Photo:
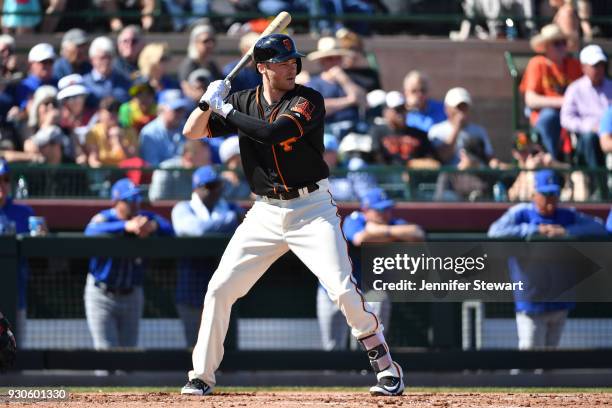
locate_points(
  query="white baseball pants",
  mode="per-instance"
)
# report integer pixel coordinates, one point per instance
(310, 227)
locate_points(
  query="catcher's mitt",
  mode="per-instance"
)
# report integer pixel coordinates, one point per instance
(8, 346)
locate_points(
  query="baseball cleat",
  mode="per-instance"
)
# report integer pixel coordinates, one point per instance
(196, 387)
(389, 383)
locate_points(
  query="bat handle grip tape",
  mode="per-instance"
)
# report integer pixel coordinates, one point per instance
(203, 106)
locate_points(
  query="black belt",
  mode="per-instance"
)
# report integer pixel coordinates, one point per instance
(294, 193)
(113, 291)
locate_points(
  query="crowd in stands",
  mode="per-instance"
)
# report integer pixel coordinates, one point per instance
(102, 103)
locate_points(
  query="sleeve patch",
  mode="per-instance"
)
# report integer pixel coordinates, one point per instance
(303, 107)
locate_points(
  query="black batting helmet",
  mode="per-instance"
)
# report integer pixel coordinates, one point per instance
(276, 48)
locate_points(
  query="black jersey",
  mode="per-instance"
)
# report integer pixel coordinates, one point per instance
(281, 145)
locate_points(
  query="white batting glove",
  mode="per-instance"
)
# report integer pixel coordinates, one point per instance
(219, 107)
(217, 88)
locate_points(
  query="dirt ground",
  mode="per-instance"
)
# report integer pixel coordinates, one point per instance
(286, 399)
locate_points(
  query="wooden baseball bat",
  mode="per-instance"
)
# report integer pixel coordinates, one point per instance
(280, 22)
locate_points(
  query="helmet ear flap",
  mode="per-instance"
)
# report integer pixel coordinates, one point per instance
(299, 65)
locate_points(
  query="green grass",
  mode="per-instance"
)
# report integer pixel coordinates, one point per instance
(435, 390)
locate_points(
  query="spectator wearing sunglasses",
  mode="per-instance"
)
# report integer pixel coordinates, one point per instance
(199, 53)
(544, 82)
(129, 46)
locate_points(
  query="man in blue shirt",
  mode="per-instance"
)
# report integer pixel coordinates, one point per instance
(114, 297)
(540, 324)
(374, 223)
(14, 220)
(206, 212)
(104, 80)
(74, 55)
(422, 112)
(342, 96)
(40, 59)
(162, 138)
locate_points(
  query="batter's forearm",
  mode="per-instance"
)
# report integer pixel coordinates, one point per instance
(196, 126)
(261, 131)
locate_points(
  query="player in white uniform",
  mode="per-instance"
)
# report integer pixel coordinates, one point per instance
(281, 142)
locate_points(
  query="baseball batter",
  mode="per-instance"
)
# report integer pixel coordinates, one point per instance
(280, 125)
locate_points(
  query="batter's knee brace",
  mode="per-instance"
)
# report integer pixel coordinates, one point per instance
(378, 351)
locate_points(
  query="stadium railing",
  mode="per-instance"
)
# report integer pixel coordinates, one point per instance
(401, 183)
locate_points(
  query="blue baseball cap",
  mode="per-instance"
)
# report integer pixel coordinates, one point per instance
(376, 199)
(203, 175)
(330, 142)
(4, 167)
(125, 190)
(546, 182)
(173, 98)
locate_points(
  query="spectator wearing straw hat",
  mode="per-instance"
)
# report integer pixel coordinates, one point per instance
(343, 98)
(544, 82)
(73, 52)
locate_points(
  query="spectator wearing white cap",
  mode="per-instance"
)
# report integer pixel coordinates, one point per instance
(40, 59)
(74, 115)
(584, 104)
(172, 181)
(449, 137)
(163, 137)
(235, 186)
(104, 80)
(44, 112)
(398, 142)
(73, 57)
